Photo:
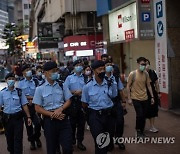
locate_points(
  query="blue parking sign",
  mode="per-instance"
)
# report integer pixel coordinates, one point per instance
(159, 9)
(146, 17)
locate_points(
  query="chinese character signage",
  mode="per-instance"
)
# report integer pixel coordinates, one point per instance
(161, 44)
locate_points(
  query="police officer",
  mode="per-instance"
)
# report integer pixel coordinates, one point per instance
(75, 83)
(97, 95)
(119, 105)
(28, 85)
(51, 100)
(14, 100)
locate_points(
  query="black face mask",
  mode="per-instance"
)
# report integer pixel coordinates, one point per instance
(101, 75)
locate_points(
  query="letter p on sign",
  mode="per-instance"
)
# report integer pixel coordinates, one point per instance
(159, 9)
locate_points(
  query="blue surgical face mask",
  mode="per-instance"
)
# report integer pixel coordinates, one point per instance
(10, 83)
(54, 76)
(142, 68)
(29, 73)
(43, 76)
(78, 69)
(109, 69)
(39, 73)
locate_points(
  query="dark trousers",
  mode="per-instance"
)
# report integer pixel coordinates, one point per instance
(101, 124)
(119, 121)
(78, 125)
(34, 130)
(14, 135)
(58, 132)
(141, 109)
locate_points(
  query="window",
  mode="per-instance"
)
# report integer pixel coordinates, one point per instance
(26, 17)
(26, 6)
(90, 19)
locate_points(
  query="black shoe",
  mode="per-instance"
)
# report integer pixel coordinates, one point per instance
(38, 143)
(121, 146)
(81, 146)
(33, 146)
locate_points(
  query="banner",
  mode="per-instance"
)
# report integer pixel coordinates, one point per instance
(161, 44)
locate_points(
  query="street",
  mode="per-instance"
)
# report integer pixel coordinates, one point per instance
(167, 123)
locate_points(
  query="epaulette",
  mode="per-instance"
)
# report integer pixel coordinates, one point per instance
(42, 83)
(21, 79)
(3, 89)
(89, 81)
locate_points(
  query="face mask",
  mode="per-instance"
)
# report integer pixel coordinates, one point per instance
(54, 76)
(78, 69)
(58, 77)
(142, 68)
(101, 75)
(29, 73)
(39, 73)
(87, 73)
(10, 83)
(43, 76)
(109, 69)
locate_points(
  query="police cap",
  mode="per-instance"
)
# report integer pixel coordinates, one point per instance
(24, 67)
(97, 64)
(49, 65)
(77, 62)
(9, 75)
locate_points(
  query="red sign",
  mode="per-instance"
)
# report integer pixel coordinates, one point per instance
(145, 1)
(119, 21)
(129, 34)
(82, 42)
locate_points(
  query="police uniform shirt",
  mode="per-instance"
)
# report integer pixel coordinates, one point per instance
(27, 86)
(96, 96)
(51, 97)
(11, 101)
(75, 82)
(120, 84)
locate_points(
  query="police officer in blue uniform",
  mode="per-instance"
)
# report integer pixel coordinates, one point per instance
(97, 96)
(119, 104)
(14, 100)
(28, 85)
(75, 83)
(51, 100)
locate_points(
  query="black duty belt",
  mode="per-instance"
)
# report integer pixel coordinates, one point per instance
(107, 111)
(14, 115)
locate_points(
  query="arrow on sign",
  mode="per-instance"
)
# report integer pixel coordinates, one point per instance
(160, 28)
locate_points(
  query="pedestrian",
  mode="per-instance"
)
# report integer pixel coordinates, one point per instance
(138, 80)
(75, 83)
(119, 104)
(39, 73)
(51, 100)
(104, 57)
(152, 110)
(13, 101)
(88, 73)
(28, 85)
(96, 95)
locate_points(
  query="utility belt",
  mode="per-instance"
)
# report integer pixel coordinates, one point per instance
(7, 117)
(107, 111)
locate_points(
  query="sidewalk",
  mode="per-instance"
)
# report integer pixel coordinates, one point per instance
(167, 123)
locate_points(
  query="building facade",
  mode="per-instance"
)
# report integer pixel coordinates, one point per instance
(73, 17)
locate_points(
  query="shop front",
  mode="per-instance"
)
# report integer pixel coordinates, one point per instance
(132, 29)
